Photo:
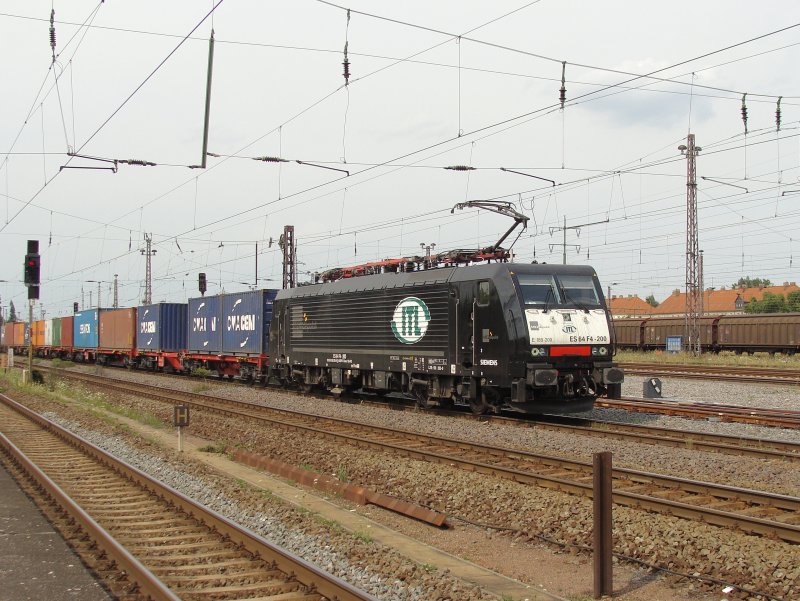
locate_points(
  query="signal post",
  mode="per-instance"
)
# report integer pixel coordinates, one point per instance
(32, 269)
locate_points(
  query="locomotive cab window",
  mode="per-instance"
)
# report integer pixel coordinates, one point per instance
(483, 294)
(538, 290)
(579, 290)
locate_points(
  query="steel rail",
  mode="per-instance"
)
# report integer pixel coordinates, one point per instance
(553, 472)
(725, 413)
(715, 372)
(301, 570)
(138, 574)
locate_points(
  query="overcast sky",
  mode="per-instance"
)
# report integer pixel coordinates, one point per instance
(432, 85)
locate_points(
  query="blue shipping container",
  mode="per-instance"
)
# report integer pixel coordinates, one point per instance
(246, 319)
(204, 325)
(85, 328)
(161, 327)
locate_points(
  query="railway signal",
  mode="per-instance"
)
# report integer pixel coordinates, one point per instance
(201, 283)
(32, 264)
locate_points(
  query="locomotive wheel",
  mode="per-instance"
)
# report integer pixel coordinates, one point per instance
(479, 406)
(488, 402)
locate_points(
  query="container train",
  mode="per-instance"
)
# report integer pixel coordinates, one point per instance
(529, 338)
(747, 333)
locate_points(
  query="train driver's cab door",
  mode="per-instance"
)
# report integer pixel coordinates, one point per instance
(487, 331)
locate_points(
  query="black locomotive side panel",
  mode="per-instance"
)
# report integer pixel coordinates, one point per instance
(394, 329)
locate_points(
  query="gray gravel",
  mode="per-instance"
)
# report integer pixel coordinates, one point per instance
(752, 561)
(317, 550)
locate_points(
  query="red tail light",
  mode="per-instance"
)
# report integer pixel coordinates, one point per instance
(561, 351)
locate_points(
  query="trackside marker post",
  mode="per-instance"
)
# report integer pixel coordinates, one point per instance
(602, 537)
(181, 420)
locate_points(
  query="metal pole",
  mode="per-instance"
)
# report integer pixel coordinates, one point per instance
(564, 258)
(98, 293)
(208, 99)
(116, 292)
(692, 325)
(256, 281)
(602, 538)
(30, 339)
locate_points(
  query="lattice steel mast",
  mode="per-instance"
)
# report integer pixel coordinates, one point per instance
(148, 277)
(693, 292)
(287, 244)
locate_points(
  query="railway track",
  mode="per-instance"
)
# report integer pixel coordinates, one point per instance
(715, 411)
(751, 511)
(760, 375)
(169, 546)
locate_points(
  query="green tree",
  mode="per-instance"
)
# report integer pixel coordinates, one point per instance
(651, 300)
(793, 301)
(771, 303)
(748, 282)
(12, 312)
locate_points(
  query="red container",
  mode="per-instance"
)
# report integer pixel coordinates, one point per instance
(8, 335)
(117, 329)
(67, 335)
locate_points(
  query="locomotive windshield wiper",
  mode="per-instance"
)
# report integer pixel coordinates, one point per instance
(580, 306)
(547, 296)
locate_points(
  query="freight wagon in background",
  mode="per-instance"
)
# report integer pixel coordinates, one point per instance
(748, 333)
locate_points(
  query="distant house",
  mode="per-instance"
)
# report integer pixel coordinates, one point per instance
(629, 306)
(721, 302)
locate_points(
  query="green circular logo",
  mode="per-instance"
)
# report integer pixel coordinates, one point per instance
(410, 320)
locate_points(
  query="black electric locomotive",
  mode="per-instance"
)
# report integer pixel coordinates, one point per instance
(531, 338)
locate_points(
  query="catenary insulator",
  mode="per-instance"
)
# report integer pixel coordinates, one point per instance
(460, 168)
(744, 112)
(563, 91)
(346, 65)
(778, 114)
(53, 31)
(271, 159)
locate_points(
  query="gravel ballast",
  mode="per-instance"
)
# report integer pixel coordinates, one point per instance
(746, 561)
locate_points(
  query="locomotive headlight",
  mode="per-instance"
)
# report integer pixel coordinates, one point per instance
(599, 350)
(535, 352)
(539, 352)
(603, 350)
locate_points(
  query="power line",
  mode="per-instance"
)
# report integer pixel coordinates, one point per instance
(119, 108)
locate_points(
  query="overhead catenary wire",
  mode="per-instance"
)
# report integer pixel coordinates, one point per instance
(114, 113)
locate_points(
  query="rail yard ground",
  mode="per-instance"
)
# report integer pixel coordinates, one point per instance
(135, 427)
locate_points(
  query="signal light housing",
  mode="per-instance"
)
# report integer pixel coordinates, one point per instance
(32, 269)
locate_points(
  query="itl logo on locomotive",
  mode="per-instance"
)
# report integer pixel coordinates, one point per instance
(410, 320)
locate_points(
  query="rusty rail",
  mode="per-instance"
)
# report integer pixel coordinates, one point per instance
(324, 584)
(630, 488)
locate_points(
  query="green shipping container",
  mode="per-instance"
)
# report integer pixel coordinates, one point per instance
(57, 332)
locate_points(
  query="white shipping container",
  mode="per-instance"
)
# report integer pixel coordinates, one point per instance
(48, 332)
